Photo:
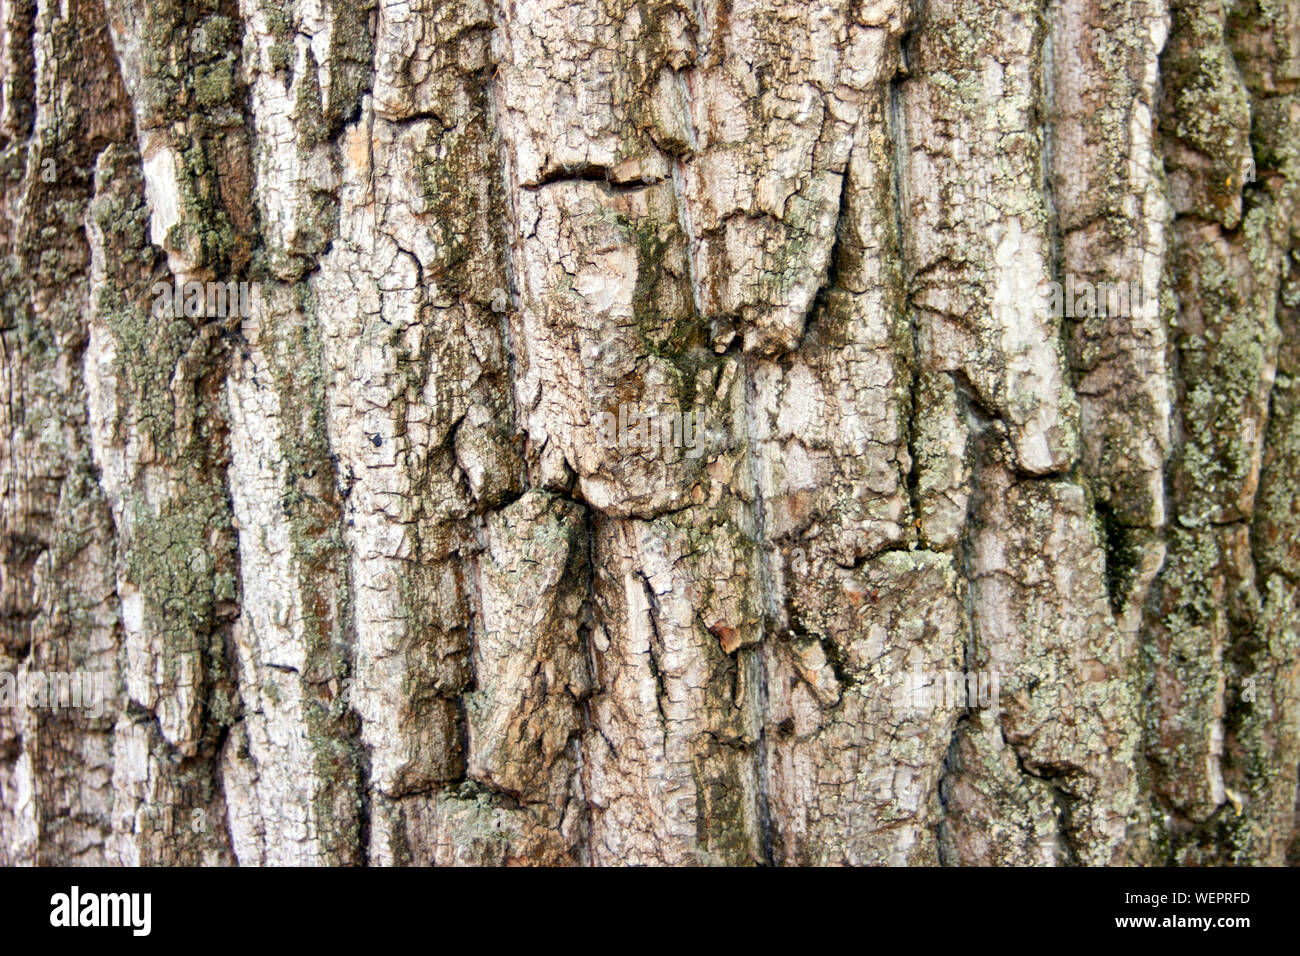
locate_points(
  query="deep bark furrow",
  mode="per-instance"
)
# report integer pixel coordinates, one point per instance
(630, 406)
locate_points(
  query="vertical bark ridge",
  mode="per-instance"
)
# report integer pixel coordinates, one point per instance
(57, 598)
(389, 568)
(1219, 629)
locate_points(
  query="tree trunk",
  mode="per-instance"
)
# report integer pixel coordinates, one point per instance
(383, 564)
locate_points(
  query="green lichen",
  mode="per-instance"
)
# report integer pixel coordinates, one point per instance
(665, 313)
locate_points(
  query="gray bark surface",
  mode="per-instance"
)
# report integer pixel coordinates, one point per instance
(366, 582)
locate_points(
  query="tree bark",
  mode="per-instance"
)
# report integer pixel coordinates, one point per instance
(366, 577)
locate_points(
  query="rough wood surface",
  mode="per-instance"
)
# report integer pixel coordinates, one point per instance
(382, 569)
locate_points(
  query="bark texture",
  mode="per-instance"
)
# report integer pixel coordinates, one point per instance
(370, 587)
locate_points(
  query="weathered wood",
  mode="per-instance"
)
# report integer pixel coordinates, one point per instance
(644, 420)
